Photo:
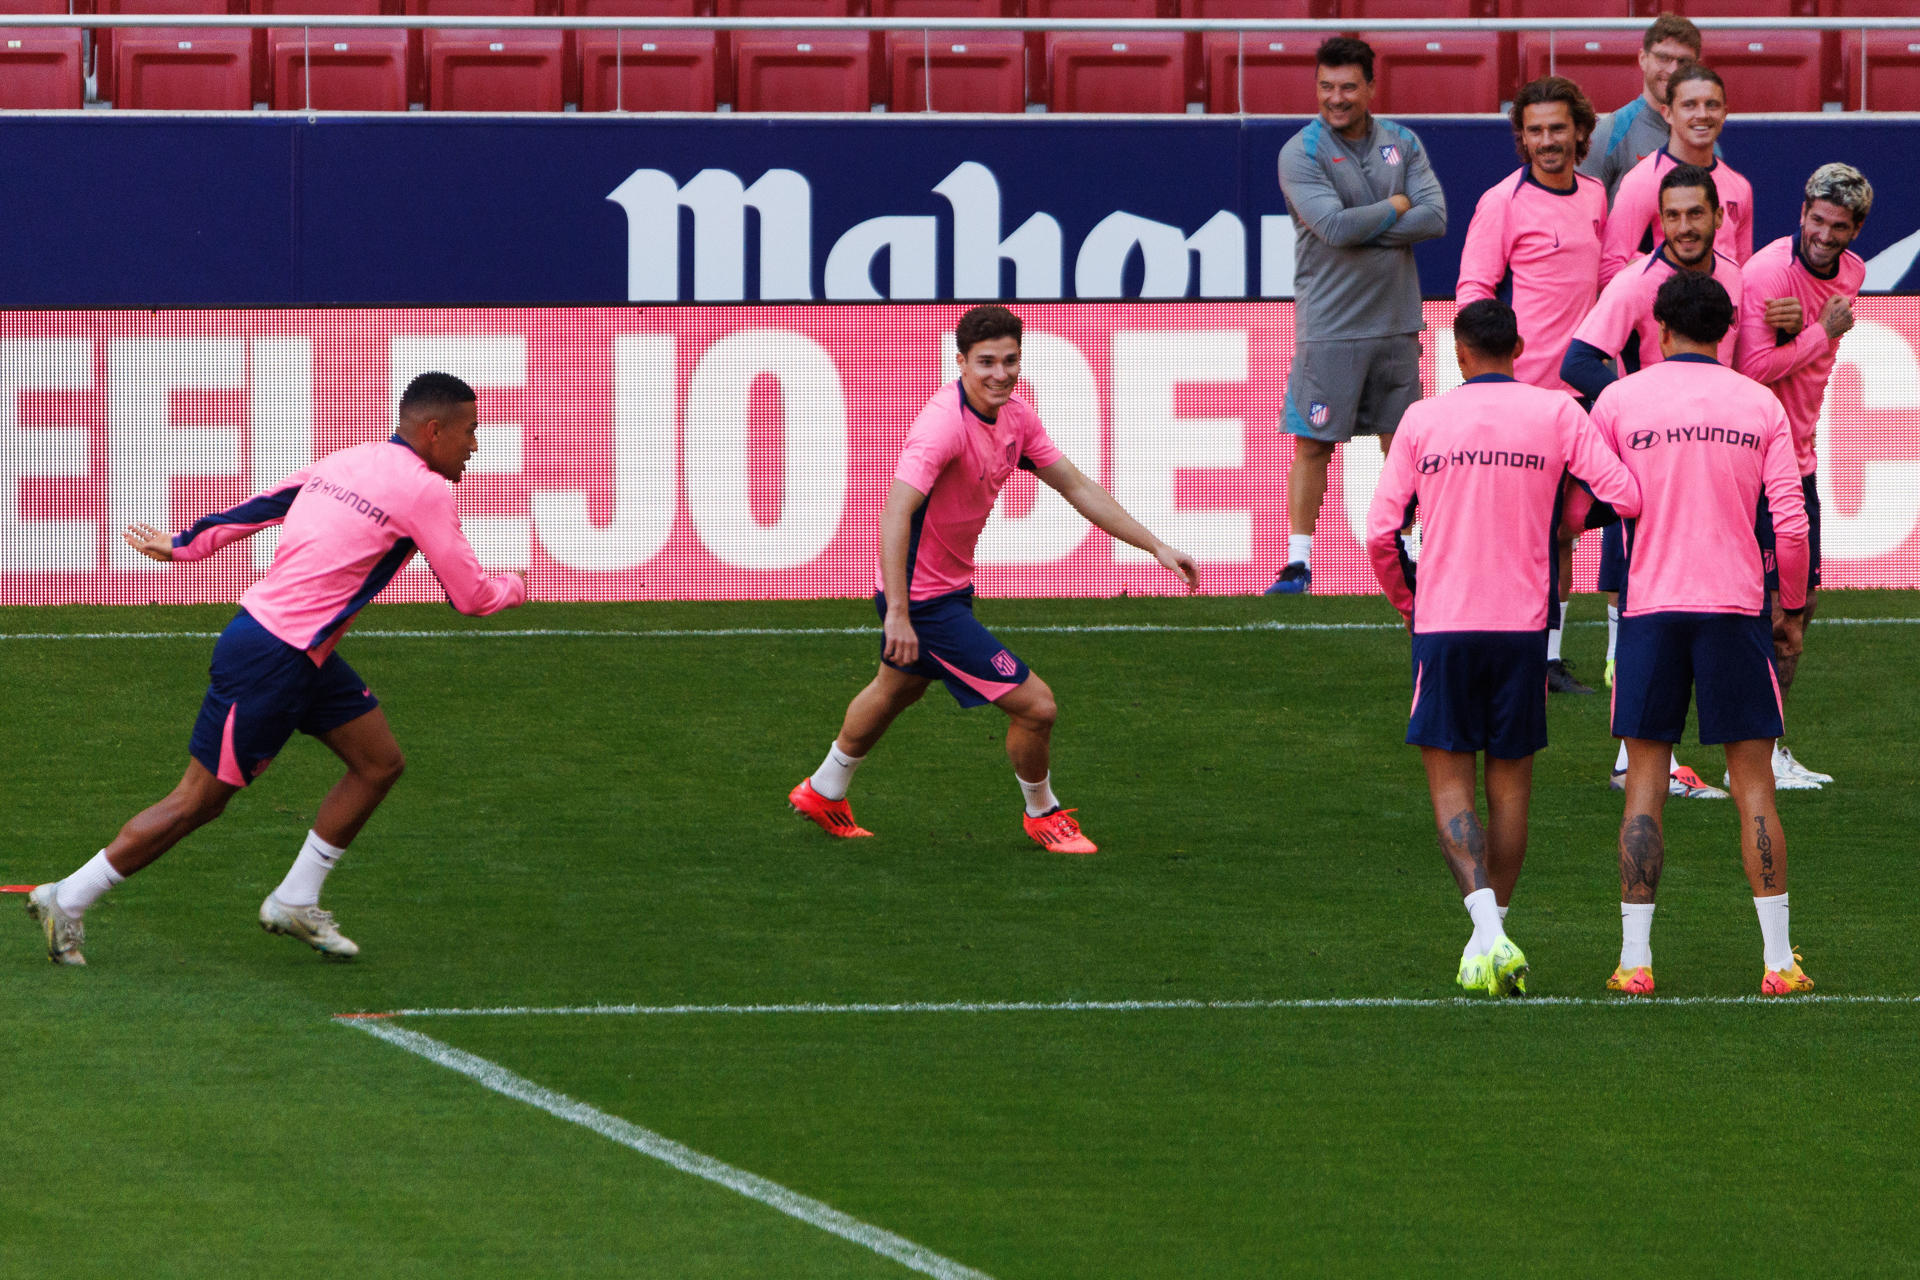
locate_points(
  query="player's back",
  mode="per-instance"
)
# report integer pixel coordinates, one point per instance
(347, 532)
(1485, 462)
(1704, 442)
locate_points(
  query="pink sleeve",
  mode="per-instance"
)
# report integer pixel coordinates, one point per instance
(1592, 461)
(1387, 514)
(1628, 220)
(930, 446)
(1483, 259)
(1036, 446)
(1609, 326)
(1785, 499)
(435, 529)
(1743, 233)
(210, 533)
(1759, 354)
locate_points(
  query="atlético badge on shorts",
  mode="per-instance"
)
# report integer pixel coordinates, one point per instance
(1004, 663)
(1390, 153)
(1317, 413)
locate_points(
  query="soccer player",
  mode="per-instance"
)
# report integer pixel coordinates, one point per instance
(1484, 464)
(1625, 137)
(959, 452)
(1704, 443)
(1697, 110)
(1799, 300)
(350, 522)
(1362, 193)
(1603, 347)
(1535, 236)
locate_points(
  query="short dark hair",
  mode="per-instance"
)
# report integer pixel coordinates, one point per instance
(1345, 51)
(1689, 175)
(1488, 327)
(1554, 89)
(1694, 305)
(1694, 71)
(984, 323)
(1671, 26)
(435, 391)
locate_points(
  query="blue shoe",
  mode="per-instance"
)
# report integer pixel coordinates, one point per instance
(1293, 581)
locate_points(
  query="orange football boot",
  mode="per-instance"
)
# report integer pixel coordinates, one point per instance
(1057, 832)
(835, 817)
(1634, 982)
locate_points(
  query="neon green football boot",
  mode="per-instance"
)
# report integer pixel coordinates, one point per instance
(1476, 973)
(1509, 965)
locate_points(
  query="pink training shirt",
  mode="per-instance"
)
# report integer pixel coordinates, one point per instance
(1636, 213)
(960, 460)
(350, 522)
(1626, 307)
(1484, 463)
(1797, 369)
(1704, 442)
(1545, 243)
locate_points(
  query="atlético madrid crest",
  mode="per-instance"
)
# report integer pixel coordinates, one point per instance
(1390, 153)
(1003, 663)
(1318, 413)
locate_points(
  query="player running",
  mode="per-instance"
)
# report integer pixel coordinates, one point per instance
(1604, 347)
(1484, 464)
(350, 522)
(1697, 110)
(1704, 443)
(1800, 292)
(1535, 236)
(959, 453)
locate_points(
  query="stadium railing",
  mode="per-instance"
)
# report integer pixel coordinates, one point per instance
(1781, 63)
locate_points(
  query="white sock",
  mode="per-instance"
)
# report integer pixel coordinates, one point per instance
(1299, 548)
(835, 773)
(1553, 641)
(1620, 760)
(1486, 922)
(83, 888)
(1613, 629)
(1503, 915)
(1636, 935)
(1773, 932)
(308, 873)
(1040, 798)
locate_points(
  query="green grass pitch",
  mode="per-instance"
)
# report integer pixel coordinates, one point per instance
(600, 820)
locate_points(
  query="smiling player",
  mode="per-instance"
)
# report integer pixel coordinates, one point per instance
(349, 523)
(960, 451)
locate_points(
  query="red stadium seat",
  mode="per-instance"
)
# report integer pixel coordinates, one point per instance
(1228, 10)
(624, 9)
(416, 65)
(42, 68)
(648, 70)
(263, 62)
(1868, 9)
(957, 71)
(1605, 64)
(882, 59)
(493, 69)
(1449, 10)
(36, 6)
(1767, 70)
(105, 64)
(1440, 71)
(340, 69)
(184, 69)
(802, 71)
(1086, 9)
(1892, 74)
(1566, 9)
(1117, 71)
(1738, 8)
(1267, 73)
(785, 8)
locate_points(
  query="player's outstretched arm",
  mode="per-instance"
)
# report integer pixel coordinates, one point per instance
(1105, 513)
(154, 544)
(901, 644)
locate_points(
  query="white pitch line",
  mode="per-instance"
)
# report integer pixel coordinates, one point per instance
(713, 633)
(1123, 1006)
(808, 1210)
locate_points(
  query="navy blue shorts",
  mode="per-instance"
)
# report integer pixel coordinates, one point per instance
(1613, 558)
(954, 647)
(261, 690)
(1480, 691)
(1763, 530)
(1723, 660)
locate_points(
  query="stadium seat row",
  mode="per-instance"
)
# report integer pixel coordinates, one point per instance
(1440, 10)
(370, 69)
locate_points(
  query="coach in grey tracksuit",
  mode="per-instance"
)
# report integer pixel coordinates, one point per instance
(1362, 193)
(1625, 137)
